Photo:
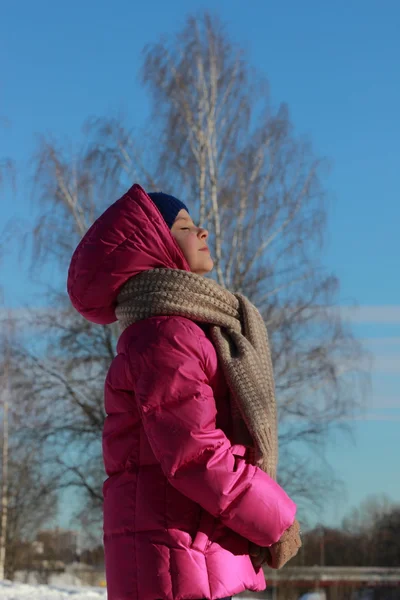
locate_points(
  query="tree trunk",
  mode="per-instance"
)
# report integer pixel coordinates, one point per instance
(4, 487)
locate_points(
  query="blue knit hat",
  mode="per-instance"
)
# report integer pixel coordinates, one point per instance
(169, 206)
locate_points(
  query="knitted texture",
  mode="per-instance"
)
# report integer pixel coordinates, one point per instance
(239, 336)
(287, 547)
(169, 206)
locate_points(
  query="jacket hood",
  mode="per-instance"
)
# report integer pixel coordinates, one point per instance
(130, 237)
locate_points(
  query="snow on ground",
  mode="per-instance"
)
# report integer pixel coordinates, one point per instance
(11, 590)
(20, 591)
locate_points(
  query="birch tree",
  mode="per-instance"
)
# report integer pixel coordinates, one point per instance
(259, 189)
(216, 141)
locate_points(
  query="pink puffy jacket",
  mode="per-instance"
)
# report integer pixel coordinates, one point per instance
(180, 502)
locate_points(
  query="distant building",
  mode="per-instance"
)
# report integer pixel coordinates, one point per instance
(58, 541)
(38, 547)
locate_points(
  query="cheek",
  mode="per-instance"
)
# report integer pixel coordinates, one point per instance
(188, 245)
(191, 245)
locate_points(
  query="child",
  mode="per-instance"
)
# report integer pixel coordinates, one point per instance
(189, 441)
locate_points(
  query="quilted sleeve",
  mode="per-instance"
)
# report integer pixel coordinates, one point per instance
(178, 411)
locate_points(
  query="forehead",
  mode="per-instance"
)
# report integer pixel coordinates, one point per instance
(183, 215)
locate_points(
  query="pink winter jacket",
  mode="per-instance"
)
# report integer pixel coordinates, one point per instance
(180, 502)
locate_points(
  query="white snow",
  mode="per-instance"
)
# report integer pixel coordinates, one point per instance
(11, 590)
(20, 591)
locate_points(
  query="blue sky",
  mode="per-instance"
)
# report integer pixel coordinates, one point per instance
(335, 64)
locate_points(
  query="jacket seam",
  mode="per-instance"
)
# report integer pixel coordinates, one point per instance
(136, 511)
(194, 457)
(200, 345)
(224, 512)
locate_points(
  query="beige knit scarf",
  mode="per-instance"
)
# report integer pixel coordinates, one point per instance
(238, 333)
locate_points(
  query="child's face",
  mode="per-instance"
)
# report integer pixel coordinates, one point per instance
(192, 241)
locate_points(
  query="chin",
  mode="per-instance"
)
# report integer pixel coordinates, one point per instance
(205, 268)
(208, 267)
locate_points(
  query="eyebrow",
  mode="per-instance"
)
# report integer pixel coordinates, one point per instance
(183, 219)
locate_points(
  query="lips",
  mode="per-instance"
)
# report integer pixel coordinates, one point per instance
(205, 249)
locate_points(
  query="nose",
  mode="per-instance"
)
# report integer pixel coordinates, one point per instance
(203, 233)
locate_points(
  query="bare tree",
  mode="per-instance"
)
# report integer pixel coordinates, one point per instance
(60, 386)
(32, 504)
(7, 171)
(369, 536)
(220, 145)
(7, 177)
(372, 510)
(5, 399)
(7, 166)
(259, 190)
(60, 359)
(29, 492)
